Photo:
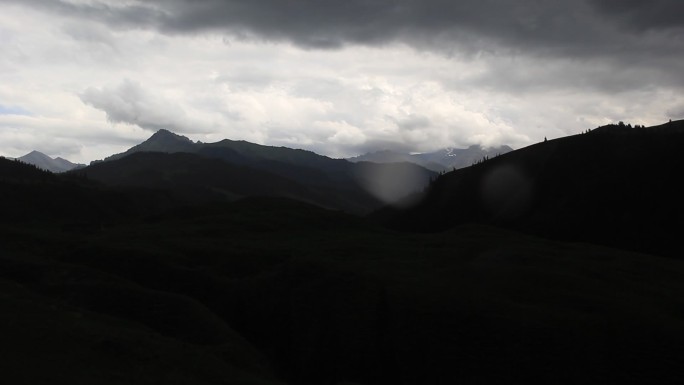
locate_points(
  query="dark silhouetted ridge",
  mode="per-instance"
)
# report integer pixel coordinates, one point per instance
(31, 195)
(161, 141)
(15, 170)
(330, 183)
(615, 185)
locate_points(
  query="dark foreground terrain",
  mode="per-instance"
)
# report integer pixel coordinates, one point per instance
(132, 285)
(274, 291)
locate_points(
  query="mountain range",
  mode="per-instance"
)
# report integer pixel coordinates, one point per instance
(223, 263)
(234, 169)
(45, 162)
(447, 159)
(165, 141)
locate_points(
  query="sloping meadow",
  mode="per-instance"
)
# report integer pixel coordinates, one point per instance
(268, 290)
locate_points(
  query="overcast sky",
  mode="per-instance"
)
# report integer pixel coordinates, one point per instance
(83, 79)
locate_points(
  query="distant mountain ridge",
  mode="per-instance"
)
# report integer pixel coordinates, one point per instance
(445, 159)
(45, 162)
(248, 168)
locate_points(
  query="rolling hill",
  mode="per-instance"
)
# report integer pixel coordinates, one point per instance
(273, 291)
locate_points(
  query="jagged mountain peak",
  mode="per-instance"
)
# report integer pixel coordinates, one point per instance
(35, 155)
(164, 133)
(161, 141)
(45, 162)
(166, 137)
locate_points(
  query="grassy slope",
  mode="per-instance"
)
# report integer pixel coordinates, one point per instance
(273, 286)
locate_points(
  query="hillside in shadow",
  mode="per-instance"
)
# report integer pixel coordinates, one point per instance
(142, 270)
(31, 195)
(615, 185)
(271, 290)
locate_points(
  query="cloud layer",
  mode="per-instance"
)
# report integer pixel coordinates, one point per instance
(335, 77)
(577, 27)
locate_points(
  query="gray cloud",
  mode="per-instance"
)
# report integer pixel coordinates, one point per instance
(560, 27)
(127, 15)
(676, 112)
(629, 34)
(342, 77)
(130, 103)
(643, 15)
(440, 23)
(414, 122)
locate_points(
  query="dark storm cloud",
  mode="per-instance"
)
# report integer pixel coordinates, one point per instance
(637, 40)
(561, 28)
(643, 15)
(440, 24)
